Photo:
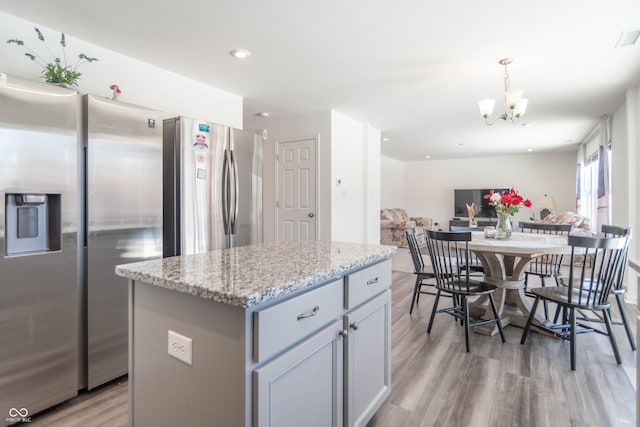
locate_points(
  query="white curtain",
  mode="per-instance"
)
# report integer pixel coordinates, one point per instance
(579, 168)
(603, 187)
(592, 180)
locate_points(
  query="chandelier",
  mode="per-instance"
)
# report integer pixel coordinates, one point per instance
(514, 104)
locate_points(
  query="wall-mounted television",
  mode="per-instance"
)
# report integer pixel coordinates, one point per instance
(483, 209)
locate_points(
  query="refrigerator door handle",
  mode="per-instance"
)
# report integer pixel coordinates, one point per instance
(226, 206)
(236, 190)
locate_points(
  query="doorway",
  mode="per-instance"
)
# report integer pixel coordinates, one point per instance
(296, 205)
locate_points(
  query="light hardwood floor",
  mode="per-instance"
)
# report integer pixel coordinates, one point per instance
(436, 383)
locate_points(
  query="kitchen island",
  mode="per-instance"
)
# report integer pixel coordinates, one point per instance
(275, 334)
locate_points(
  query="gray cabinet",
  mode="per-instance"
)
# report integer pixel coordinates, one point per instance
(304, 386)
(368, 364)
(320, 357)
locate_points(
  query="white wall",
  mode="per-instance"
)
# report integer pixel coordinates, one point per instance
(628, 160)
(429, 184)
(294, 127)
(348, 157)
(141, 83)
(392, 185)
(619, 167)
(372, 185)
(625, 141)
(347, 150)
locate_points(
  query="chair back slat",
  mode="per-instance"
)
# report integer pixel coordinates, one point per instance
(615, 231)
(547, 265)
(449, 251)
(473, 262)
(414, 249)
(543, 228)
(595, 265)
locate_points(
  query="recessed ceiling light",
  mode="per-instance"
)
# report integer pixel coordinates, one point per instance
(385, 139)
(240, 53)
(263, 114)
(628, 38)
(427, 157)
(529, 149)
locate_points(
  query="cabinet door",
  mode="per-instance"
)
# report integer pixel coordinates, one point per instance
(304, 386)
(368, 367)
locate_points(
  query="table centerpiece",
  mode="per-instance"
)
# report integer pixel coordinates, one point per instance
(506, 204)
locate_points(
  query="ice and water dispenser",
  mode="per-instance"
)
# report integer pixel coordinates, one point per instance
(33, 223)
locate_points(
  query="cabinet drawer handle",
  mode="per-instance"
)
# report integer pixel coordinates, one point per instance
(373, 281)
(313, 312)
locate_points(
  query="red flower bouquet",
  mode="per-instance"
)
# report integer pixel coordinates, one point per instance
(507, 202)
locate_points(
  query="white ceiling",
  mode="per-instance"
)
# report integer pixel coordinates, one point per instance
(414, 69)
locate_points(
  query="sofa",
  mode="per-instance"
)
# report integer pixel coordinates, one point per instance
(581, 227)
(581, 224)
(394, 221)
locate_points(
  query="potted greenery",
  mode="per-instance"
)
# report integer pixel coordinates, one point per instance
(58, 70)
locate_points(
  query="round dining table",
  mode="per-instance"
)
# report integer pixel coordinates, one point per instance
(505, 263)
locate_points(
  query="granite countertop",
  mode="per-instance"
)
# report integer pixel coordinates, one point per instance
(251, 275)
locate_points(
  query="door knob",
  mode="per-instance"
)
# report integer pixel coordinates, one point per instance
(311, 215)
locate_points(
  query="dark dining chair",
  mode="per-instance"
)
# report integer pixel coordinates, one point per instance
(448, 252)
(619, 289)
(588, 287)
(545, 266)
(475, 266)
(416, 242)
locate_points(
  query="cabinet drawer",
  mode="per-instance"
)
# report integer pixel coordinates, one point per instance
(366, 283)
(282, 325)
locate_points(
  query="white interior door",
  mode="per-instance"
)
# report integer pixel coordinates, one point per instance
(296, 198)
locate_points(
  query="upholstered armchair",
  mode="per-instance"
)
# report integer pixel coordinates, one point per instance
(394, 221)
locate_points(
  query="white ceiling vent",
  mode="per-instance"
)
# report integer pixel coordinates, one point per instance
(628, 38)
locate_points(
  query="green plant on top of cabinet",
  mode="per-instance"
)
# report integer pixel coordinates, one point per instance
(56, 70)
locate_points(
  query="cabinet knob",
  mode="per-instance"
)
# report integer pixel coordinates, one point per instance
(343, 333)
(311, 215)
(355, 326)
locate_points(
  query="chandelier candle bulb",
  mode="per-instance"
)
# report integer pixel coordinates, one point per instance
(513, 97)
(521, 108)
(486, 107)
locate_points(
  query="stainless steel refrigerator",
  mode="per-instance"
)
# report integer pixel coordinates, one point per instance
(212, 187)
(39, 261)
(123, 214)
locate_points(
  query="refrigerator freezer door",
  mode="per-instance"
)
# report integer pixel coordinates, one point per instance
(193, 162)
(39, 290)
(247, 211)
(124, 221)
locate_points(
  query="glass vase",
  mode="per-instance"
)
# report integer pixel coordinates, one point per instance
(503, 227)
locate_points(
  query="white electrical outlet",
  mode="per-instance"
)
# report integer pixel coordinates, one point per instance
(180, 347)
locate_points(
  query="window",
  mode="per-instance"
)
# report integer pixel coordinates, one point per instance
(589, 193)
(590, 206)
